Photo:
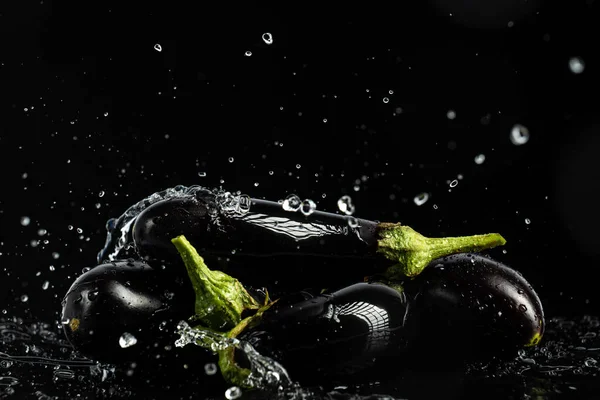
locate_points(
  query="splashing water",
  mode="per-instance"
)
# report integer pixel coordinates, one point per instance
(266, 373)
(119, 241)
(36, 361)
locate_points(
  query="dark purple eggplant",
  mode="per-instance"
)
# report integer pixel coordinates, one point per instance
(254, 238)
(471, 306)
(125, 311)
(328, 336)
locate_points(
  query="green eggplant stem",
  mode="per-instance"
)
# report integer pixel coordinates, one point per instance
(413, 252)
(220, 298)
(220, 301)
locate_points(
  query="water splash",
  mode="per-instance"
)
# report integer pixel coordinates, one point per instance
(119, 241)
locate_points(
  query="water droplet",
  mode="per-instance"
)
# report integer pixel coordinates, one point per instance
(65, 321)
(233, 392)
(527, 221)
(70, 227)
(576, 65)
(298, 166)
(386, 100)
(479, 159)
(453, 183)
(55, 255)
(101, 193)
(291, 203)
(230, 159)
(345, 205)
(24, 298)
(6, 363)
(210, 369)
(352, 222)
(158, 47)
(45, 285)
(451, 114)
(127, 340)
(248, 53)
(421, 199)
(522, 307)
(590, 362)
(201, 174)
(93, 295)
(267, 37)
(61, 373)
(272, 377)
(308, 207)
(25, 221)
(519, 135)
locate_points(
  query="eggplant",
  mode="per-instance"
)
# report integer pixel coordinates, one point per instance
(125, 311)
(332, 336)
(255, 237)
(472, 307)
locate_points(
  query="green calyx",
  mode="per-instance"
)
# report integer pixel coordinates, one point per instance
(220, 298)
(413, 251)
(220, 302)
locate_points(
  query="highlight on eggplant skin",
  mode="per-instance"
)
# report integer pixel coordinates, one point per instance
(473, 305)
(257, 246)
(124, 311)
(345, 333)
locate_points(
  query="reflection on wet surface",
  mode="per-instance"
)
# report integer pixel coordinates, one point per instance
(36, 362)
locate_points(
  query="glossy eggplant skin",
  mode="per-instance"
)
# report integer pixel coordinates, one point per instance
(262, 228)
(253, 245)
(472, 307)
(335, 335)
(121, 297)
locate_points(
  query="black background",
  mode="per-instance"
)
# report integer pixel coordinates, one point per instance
(89, 106)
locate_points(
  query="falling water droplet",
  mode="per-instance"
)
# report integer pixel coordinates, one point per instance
(233, 393)
(25, 221)
(519, 135)
(127, 340)
(576, 65)
(421, 199)
(345, 205)
(210, 369)
(158, 47)
(267, 37)
(479, 159)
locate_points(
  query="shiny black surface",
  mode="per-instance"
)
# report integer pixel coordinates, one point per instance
(111, 303)
(264, 246)
(340, 335)
(474, 307)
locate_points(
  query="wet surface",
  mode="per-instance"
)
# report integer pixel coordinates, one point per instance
(37, 362)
